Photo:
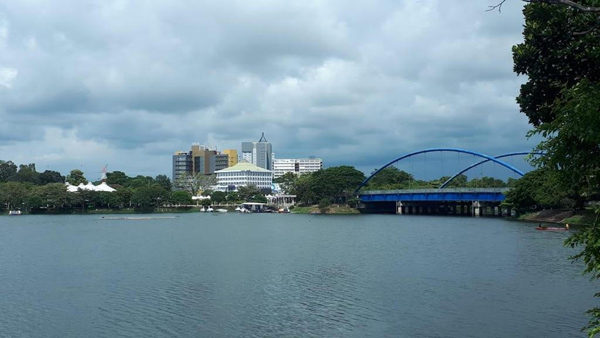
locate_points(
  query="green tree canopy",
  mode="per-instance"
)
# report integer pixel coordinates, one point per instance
(560, 56)
(116, 177)
(164, 182)
(27, 173)
(76, 177)
(51, 176)
(8, 170)
(217, 197)
(389, 178)
(181, 197)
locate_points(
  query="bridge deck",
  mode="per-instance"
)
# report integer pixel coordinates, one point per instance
(437, 195)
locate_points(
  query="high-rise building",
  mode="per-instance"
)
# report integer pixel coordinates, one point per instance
(297, 166)
(233, 156)
(182, 163)
(200, 159)
(259, 153)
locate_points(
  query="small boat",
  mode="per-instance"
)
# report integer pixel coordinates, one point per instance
(221, 210)
(14, 212)
(551, 229)
(210, 209)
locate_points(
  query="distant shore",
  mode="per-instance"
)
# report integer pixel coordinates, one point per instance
(585, 217)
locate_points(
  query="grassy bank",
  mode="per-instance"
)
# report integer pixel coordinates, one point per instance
(584, 217)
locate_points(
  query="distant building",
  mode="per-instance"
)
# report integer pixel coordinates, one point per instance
(259, 153)
(200, 159)
(182, 164)
(243, 174)
(297, 166)
(233, 156)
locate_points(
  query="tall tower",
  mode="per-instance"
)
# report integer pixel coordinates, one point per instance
(259, 153)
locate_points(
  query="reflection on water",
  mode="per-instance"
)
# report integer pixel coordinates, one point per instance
(228, 275)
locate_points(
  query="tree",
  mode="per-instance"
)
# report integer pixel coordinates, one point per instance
(51, 176)
(540, 189)
(164, 182)
(8, 170)
(13, 194)
(27, 173)
(181, 197)
(248, 193)
(76, 177)
(286, 181)
(116, 177)
(195, 182)
(142, 198)
(337, 183)
(217, 197)
(139, 181)
(567, 3)
(324, 205)
(389, 178)
(559, 55)
(233, 197)
(54, 195)
(124, 197)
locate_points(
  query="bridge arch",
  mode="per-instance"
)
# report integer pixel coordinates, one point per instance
(456, 150)
(485, 161)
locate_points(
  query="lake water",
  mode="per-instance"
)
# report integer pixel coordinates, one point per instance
(265, 275)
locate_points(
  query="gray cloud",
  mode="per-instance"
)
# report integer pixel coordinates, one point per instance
(128, 83)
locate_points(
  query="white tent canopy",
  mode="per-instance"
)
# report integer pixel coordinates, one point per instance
(100, 187)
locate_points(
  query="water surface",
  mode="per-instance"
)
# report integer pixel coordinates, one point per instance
(257, 275)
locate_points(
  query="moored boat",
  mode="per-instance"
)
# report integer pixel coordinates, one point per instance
(551, 229)
(14, 212)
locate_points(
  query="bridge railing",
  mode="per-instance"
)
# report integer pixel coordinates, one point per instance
(448, 190)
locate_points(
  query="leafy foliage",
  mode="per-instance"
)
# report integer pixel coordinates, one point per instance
(76, 177)
(390, 178)
(336, 184)
(561, 98)
(181, 197)
(8, 170)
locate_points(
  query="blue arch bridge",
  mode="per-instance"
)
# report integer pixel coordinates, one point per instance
(441, 201)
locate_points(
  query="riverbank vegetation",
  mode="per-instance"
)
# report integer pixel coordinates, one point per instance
(561, 98)
(333, 185)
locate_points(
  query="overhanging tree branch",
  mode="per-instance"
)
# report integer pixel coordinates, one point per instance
(568, 3)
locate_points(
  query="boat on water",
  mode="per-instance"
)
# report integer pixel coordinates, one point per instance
(210, 209)
(551, 229)
(242, 210)
(14, 212)
(221, 210)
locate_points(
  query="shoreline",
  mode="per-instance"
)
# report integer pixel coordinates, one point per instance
(584, 217)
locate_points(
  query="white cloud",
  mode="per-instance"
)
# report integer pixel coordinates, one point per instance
(7, 76)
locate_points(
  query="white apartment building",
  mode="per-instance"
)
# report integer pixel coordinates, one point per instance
(297, 166)
(243, 174)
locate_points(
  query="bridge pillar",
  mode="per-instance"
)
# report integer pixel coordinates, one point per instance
(476, 208)
(399, 206)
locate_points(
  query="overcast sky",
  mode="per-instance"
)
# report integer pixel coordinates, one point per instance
(86, 83)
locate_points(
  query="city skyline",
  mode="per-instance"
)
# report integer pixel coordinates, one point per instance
(355, 85)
